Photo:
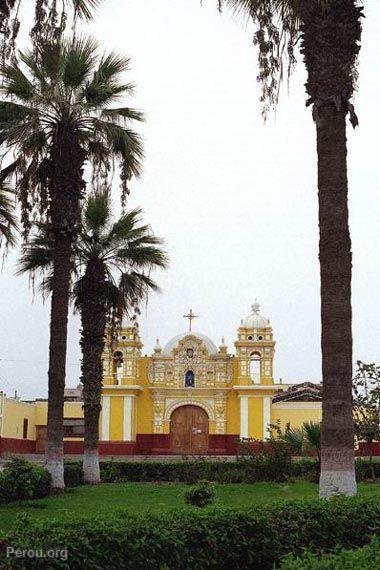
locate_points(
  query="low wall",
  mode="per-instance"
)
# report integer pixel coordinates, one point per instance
(365, 449)
(13, 445)
(153, 444)
(145, 444)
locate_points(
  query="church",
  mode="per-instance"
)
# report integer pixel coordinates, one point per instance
(190, 397)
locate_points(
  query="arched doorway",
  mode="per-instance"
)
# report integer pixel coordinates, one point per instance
(189, 430)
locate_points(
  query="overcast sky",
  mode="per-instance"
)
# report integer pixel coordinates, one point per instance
(236, 200)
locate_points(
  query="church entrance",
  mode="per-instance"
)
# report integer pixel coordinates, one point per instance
(189, 431)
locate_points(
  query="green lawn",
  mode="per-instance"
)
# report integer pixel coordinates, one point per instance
(138, 497)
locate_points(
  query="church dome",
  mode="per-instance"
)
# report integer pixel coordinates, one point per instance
(171, 345)
(254, 320)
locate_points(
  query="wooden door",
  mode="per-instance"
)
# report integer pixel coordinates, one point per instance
(189, 431)
(40, 438)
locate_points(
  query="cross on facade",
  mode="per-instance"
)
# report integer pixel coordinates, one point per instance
(190, 316)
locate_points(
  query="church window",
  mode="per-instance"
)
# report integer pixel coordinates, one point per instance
(190, 353)
(255, 366)
(251, 338)
(189, 379)
(260, 338)
(124, 337)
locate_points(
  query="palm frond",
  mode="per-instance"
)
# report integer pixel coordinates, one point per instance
(313, 433)
(79, 59)
(8, 220)
(97, 211)
(122, 115)
(15, 82)
(110, 65)
(37, 254)
(122, 228)
(143, 257)
(85, 8)
(134, 287)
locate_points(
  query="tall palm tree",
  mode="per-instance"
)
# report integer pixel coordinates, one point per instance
(111, 268)
(56, 117)
(329, 33)
(8, 223)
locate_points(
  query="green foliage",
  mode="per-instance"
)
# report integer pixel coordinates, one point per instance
(366, 558)
(270, 460)
(67, 83)
(366, 403)
(126, 249)
(8, 223)
(21, 480)
(200, 495)
(212, 538)
(240, 471)
(73, 474)
(261, 467)
(300, 441)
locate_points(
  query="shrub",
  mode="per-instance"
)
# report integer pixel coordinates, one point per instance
(262, 467)
(73, 474)
(21, 480)
(201, 494)
(214, 538)
(366, 470)
(366, 558)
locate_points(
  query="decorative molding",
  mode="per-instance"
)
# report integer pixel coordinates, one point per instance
(189, 402)
(261, 387)
(122, 387)
(299, 405)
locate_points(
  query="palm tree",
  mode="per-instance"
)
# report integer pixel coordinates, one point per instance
(111, 266)
(55, 118)
(329, 33)
(8, 223)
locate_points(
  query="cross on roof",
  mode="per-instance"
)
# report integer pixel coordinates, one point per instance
(190, 316)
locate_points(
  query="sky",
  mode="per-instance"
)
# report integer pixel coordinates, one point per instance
(234, 198)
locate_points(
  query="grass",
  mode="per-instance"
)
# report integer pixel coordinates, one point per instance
(89, 501)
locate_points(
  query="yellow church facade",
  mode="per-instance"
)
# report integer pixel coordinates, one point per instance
(189, 397)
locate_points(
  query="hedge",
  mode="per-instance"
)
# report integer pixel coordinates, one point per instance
(213, 538)
(366, 558)
(193, 471)
(21, 480)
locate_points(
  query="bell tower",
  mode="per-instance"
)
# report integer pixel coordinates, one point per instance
(122, 354)
(255, 349)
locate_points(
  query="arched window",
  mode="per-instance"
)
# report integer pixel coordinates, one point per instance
(189, 379)
(255, 367)
(118, 365)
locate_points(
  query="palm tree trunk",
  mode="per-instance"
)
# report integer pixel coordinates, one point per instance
(57, 360)
(65, 188)
(337, 454)
(94, 318)
(330, 43)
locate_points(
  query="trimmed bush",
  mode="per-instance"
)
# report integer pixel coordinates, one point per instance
(366, 558)
(365, 471)
(198, 539)
(201, 494)
(21, 480)
(262, 467)
(256, 468)
(73, 474)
